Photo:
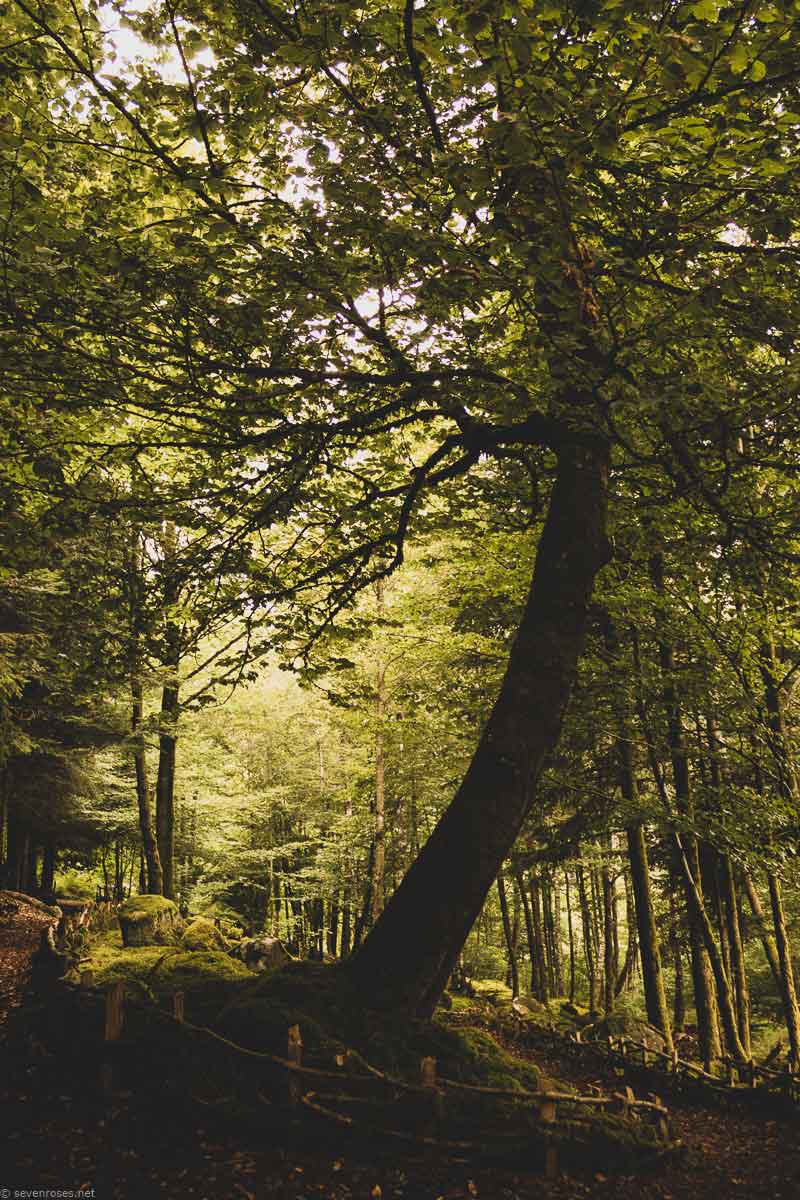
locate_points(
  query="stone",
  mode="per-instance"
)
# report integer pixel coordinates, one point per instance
(148, 921)
(202, 934)
(623, 1025)
(263, 954)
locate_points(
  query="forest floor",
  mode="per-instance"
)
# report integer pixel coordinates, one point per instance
(58, 1135)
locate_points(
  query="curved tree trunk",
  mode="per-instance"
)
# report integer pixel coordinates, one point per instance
(408, 956)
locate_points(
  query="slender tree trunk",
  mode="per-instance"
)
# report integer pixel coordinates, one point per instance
(789, 790)
(788, 992)
(379, 858)
(526, 912)
(767, 940)
(411, 951)
(571, 936)
(652, 975)
(609, 966)
(48, 867)
(508, 935)
(724, 992)
(542, 973)
(155, 880)
(167, 739)
(679, 1002)
(588, 938)
(705, 1004)
(738, 968)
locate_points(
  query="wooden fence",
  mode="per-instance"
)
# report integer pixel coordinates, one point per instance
(734, 1075)
(356, 1082)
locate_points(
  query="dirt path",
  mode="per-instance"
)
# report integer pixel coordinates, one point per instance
(21, 928)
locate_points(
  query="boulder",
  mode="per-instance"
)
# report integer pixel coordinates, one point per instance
(262, 954)
(148, 921)
(202, 934)
(623, 1025)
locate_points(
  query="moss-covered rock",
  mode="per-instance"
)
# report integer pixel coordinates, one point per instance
(148, 920)
(208, 978)
(625, 1025)
(202, 934)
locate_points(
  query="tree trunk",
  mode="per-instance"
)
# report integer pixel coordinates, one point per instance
(526, 911)
(788, 992)
(610, 968)
(409, 954)
(652, 975)
(724, 992)
(155, 879)
(171, 657)
(542, 974)
(508, 936)
(738, 968)
(48, 868)
(790, 792)
(379, 859)
(588, 938)
(679, 1001)
(571, 936)
(705, 1004)
(767, 940)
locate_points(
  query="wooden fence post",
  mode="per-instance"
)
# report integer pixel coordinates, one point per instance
(427, 1075)
(294, 1054)
(87, 979)
(179, 1007)
(115, 1011)
(548, 1115)
(115, 1017)
(662, 1124)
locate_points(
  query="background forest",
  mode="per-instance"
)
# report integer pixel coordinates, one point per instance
(320, 326)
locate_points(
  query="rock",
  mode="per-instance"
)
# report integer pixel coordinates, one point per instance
(622, 1025)
(262, 954)
(148, 921)
(202, 934)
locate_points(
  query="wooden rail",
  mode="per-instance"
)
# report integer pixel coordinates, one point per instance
(737, 1074)
(304, 1086)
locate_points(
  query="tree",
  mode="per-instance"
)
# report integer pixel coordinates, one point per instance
(476, 267)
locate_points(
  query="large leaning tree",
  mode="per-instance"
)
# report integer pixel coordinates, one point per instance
(353, 254)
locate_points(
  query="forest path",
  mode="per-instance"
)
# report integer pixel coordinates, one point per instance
(20, 933)
(729, 1152)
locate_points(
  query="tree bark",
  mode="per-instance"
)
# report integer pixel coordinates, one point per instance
(724, 993)
(588, 938)
(655, 996)
(571, 936)
(738, 968)
(410, 952)
(767, 940)
(155, 879)
(167, 739)
(508, 935)
(705, 1004)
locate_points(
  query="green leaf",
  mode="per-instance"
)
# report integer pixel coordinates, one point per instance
(758, 71)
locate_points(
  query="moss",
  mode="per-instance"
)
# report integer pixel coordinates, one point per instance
(207, 977)
(147, 906)
(202, 934)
